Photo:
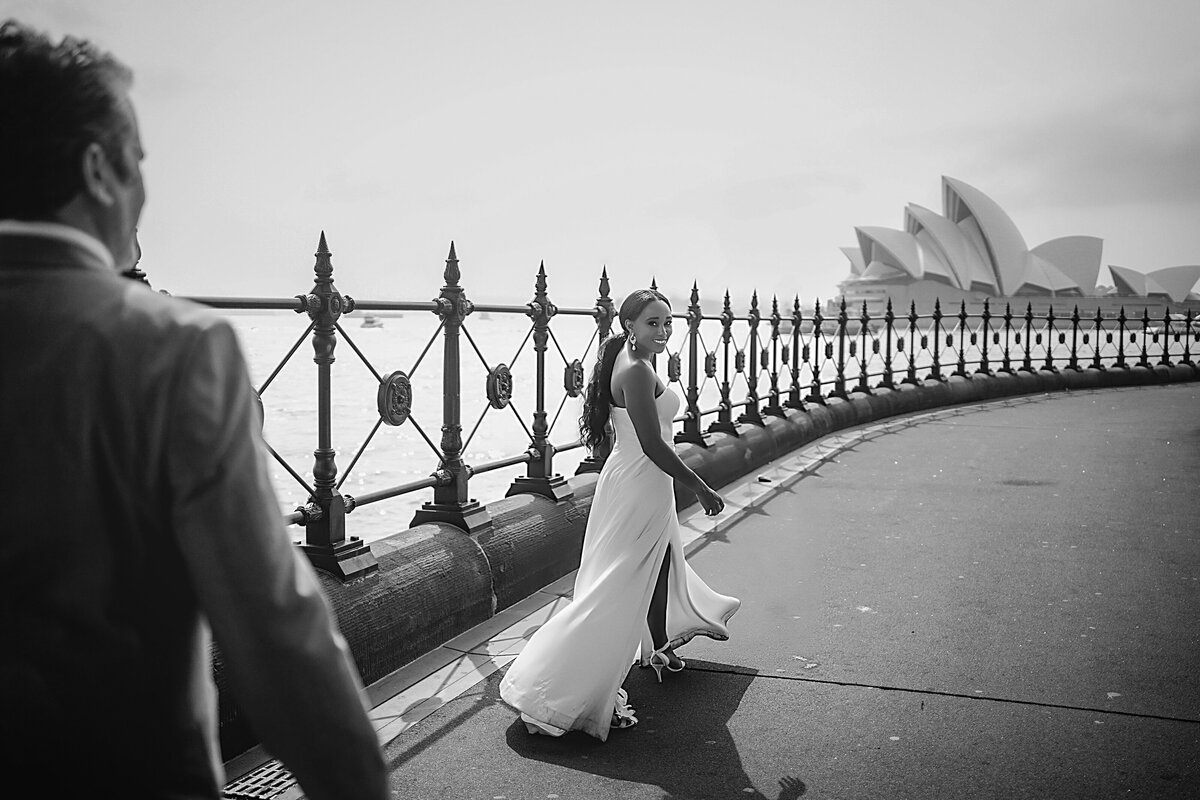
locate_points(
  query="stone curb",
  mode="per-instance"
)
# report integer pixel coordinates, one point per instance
(436, 582)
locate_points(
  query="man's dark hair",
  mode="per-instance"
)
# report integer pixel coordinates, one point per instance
(56, 99)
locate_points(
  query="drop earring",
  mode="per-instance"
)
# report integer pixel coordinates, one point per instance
(632, 343)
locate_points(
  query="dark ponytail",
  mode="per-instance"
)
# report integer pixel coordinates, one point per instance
(598, 399)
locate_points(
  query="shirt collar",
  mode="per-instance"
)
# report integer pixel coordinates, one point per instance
(64, 233)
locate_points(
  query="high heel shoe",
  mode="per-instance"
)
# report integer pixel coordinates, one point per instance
(658, 665)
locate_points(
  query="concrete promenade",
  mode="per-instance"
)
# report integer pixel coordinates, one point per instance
(994, 600)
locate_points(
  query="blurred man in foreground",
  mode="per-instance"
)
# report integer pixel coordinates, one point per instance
(140, 516)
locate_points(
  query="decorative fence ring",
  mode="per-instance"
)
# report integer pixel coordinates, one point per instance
(674, 367)
(710, 364)
(739, 361)
(784, 354)
(573, 378)
(764, 358)
(395, 398)
(499, 387)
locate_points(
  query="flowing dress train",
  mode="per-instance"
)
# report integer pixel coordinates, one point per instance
(568, 675)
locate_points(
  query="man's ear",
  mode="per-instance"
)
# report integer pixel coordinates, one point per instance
(97, 174)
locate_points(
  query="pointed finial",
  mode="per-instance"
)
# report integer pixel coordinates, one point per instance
(695, 298)
(653, 284)
(324, 264)
(452, 274)
(540, 283)
(604, 287)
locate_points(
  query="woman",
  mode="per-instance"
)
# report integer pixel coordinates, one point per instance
(635, 595)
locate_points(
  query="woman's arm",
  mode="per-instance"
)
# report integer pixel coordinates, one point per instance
(639, 384)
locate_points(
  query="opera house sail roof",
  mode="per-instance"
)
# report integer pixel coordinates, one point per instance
(974, 251)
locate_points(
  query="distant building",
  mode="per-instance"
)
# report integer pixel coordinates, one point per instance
(973, 251)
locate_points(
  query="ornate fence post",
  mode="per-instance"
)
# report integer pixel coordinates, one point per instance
(1073, 363)
(814, 394)
(1144, 361)
(1008, 318)
(1121, 320)
(889, 330)
(1027, 364)
(839, 381)
(773, 408)
(961, 368)
(691, 432)
(751, 412)
(724, 422)
(1050, 331)
(1166, 340)
(911, 371)
(864, 330)
(794, 400)
(324, 515)
(604, 313)
(1187, 339)
(1096, 363)
(935, 373)
(451, 501)
(985, 367)
(540, 477)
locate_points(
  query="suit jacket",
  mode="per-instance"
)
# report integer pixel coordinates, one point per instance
(138, 517)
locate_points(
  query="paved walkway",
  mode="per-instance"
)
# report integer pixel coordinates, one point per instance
(997, 600)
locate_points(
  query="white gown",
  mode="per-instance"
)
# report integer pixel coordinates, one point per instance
(568, 675)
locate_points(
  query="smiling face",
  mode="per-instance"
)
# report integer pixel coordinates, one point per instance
(652, 328)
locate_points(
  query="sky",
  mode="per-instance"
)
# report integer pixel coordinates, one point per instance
(736, 145)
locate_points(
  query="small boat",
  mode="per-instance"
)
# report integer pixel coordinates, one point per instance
(372, 322)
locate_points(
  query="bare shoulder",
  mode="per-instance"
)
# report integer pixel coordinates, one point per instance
(632, 376)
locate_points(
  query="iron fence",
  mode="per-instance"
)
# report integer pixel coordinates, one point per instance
(734, 370)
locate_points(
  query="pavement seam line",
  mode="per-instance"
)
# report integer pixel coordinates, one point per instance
(940, 693)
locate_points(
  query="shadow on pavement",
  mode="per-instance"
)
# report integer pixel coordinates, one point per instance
(682, 742)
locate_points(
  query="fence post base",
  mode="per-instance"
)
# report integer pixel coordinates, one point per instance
(690, 437)
(555, 487)
(346, 560)
(472, 516)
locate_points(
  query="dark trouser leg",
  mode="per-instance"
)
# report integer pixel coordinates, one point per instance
(656, 617)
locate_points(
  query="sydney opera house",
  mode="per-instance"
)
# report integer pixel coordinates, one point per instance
(973, 251)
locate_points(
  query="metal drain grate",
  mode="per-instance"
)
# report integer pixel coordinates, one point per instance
(268, 781)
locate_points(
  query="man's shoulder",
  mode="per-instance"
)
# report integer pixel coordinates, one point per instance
(144, 319)
(164, 310)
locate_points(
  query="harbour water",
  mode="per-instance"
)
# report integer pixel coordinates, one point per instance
(400, 455)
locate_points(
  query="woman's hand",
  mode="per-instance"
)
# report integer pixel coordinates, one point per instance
(710, 500)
